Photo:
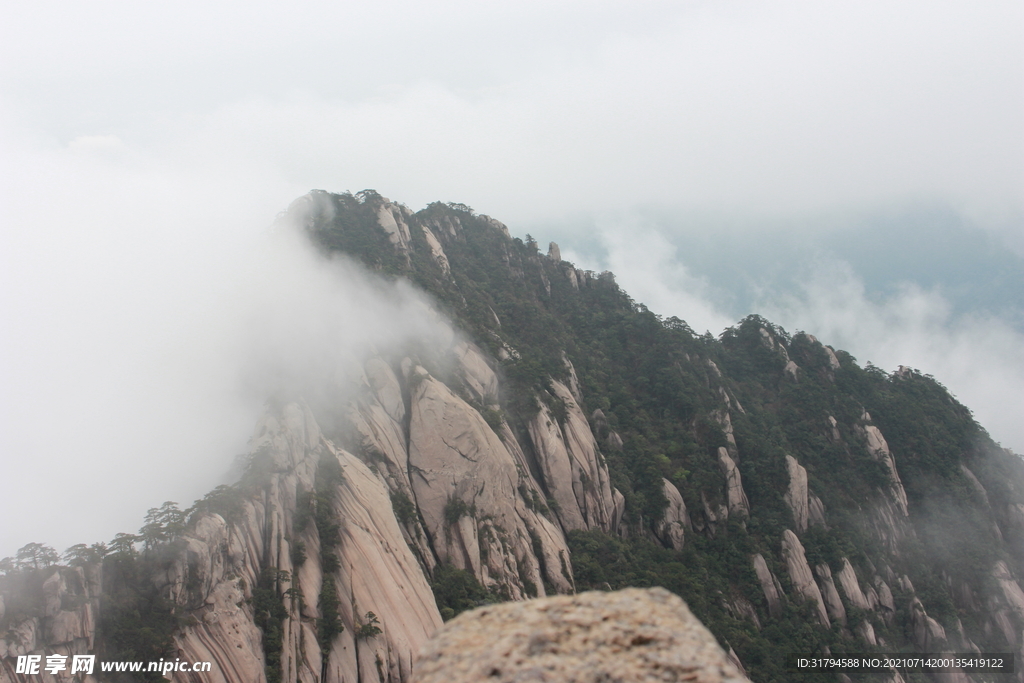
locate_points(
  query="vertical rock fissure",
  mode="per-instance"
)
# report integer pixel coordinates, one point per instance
(522, 437)
(573, 465)
(411, 470)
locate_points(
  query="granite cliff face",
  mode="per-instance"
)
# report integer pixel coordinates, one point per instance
(560, 437)
(629, 636)
(475, 508)
(476, 505)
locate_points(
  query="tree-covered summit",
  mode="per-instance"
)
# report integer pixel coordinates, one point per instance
(665, 402)
(559, 437)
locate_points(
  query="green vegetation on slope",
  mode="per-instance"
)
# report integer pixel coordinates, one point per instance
(652, 380)
(656, 395)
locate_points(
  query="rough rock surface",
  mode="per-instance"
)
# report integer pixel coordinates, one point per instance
(396, 590)
(885, 598)
(833, 603)
(1013, 522)
(629, 635)
(671, 528)
(465, 485)
(879, 450)
(848, 580)
(436, 251)
(770, 585)
(800, 574)
(815, 511)
(212, 576)
(976, 485)
(1011, 590)
(792, 369)
(438, 451)
(724, 420)
(928, 634)
(796, 494)
(67, 625)
(571, 468)
(392, 217)
(735, 494)
(867, 633)
(476, 372)
(833, 430)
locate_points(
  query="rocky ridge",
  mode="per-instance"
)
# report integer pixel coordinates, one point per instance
(426, 465)
(630, 635)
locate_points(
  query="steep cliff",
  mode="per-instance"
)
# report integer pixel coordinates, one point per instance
(557, 436)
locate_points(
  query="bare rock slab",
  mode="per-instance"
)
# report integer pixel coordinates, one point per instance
(626, 636)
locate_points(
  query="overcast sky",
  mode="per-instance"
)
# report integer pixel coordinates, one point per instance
(854, 169)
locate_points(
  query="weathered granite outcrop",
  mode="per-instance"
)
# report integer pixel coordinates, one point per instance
(714, 513)
(1012, 521)
(223, 631)
(465, 484)
(833, 603)
(66, 624)
(833, 430)
(741, 608)
(851, 587)
(889, 515)
(395, 589)
(571, 467)
(671, 528)
(436, 250)
(226, 562)
(770, 585)
(792, 370)
(815, 511)
(866, 632)
(800, 574)
(928, 634)
(724, 420)
(735, 495)
(879, 450)
(796, 494)
(213, 568)
(476, 372)
(884, 596)
(1011, 590)
(833, 361)
(434, 471)
(554, 253)
(1010, 615)
(392, 217)
(630, 635)
(485, 503)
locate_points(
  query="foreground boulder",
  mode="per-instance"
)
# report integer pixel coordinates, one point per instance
(630, 635)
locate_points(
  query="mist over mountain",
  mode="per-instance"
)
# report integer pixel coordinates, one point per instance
(850, 170)
(919, 286)
(132, 187)
(453, 417)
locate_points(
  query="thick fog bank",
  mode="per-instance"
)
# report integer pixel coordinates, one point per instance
(143, 332)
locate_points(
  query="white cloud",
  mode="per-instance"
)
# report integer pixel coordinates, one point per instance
(647, 266)
(980, 359)
(97, 144)
(140, 146)
(146, 316)
(540, 109)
